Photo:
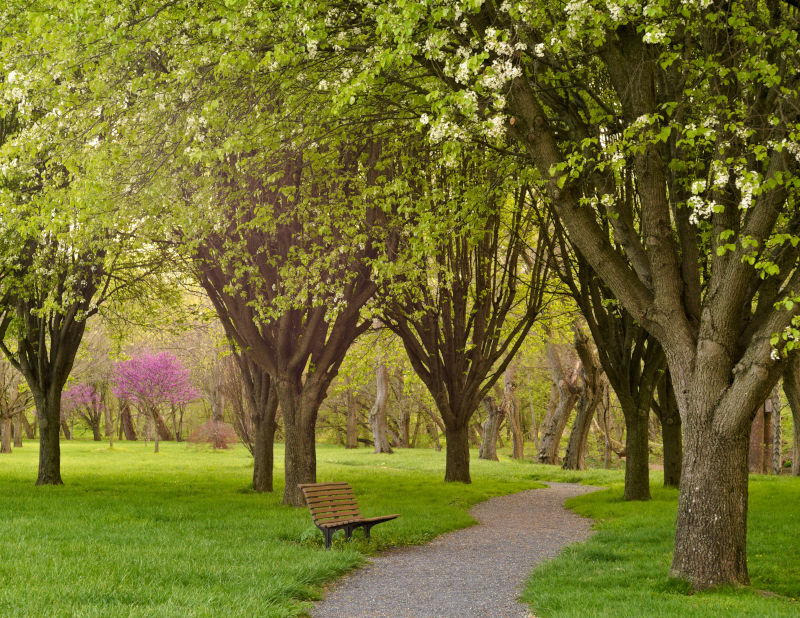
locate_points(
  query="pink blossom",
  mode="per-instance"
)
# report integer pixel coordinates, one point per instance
(153, 380)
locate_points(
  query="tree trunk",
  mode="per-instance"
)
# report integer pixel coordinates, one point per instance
(535, 428)
(18, 429)
(565, 382)
(777, 435)
(791, 386)
(65, 430)
(126, 421)
(511, 404)
(377, 416)
(574, 458)
(161, 427)
(457, 461)
(710, 538)
(300, 460)
(637, 455)
(491, 428)
(351, 438)
(671, 438)
(264, 438)
(30, 429)
(155, 430)
(5, 434)
(48, 411)
(109, 420)
(96, 431)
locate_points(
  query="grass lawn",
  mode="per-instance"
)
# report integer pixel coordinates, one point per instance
(622, 570)
(179, 533)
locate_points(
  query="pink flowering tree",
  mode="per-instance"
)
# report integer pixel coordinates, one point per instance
(86, 402)
(154, 383)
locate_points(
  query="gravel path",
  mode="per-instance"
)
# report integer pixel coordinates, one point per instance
(477, 571)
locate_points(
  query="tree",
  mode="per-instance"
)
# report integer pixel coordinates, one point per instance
(692, 96)
(152, 381)
(14, 400)
(471, 295)
(85, 401)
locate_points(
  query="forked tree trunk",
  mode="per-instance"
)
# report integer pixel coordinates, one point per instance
(18, 430)
(710, 538)
(491, 429)
(457, 461)
(5, 434)
(377, 416)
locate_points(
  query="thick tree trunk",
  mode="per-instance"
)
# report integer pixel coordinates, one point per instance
(18, 430)
(300, 460)
(710, 538)
(637, 455)
(5, 434)
(791, 386)
(377, 416)
(491, 429)
(457, 464)
(351, 438)
(48, 411)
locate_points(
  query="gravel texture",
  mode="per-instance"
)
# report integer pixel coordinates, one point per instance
(477, 571)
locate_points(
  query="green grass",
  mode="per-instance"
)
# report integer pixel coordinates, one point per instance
(132, 533)
(180, 534)
(622, 570)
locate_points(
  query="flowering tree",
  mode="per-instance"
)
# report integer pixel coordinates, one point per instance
(152, 381)
(84, 400)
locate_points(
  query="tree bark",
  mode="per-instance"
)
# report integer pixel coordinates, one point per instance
(300, 460)
(511, 405)
(671, 436)
(18, 429)
(637, 456)
(351, 437)
(710, 538)
(568, 392)
(791, 386)
(457, 461)
(777, 435)
(491, 428)
(48, 411)
(591, 393)
(126, 421)
(263, 457)
(377, 416)
(5, 434)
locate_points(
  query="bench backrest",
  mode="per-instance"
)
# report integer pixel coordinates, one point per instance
(330, 503)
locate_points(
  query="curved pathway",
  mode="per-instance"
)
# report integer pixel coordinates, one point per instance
(477, 571)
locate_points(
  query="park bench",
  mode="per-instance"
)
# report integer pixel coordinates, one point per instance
(333, 507)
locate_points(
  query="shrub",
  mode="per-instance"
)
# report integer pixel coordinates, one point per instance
(215, 433)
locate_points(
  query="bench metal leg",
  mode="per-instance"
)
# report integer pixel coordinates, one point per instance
(328, 532)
